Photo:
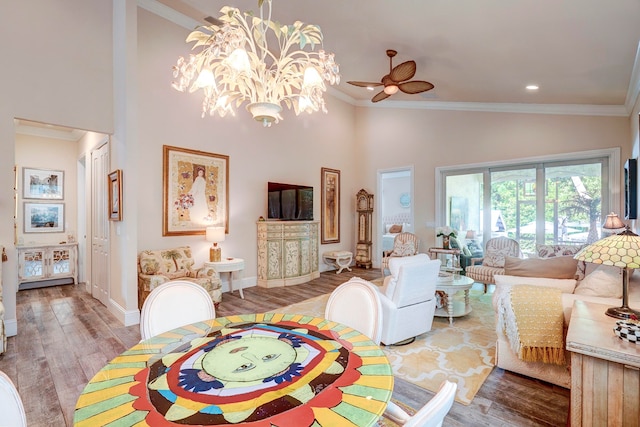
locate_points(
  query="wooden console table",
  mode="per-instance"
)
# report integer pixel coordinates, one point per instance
(605, 370)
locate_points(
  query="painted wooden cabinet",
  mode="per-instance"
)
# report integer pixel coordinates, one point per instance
(3, 335)
(47, 265)
(287, 252)
(605, 370)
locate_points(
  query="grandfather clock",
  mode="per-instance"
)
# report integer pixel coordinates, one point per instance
(364, 208)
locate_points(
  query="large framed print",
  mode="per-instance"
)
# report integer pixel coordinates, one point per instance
(330, 206)
(115, 195)
(196, 191)
(42, 184)
(43, 217)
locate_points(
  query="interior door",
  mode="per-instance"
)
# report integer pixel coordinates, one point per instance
(99, 224)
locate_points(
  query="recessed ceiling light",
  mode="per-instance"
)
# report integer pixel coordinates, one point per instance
(532, 87)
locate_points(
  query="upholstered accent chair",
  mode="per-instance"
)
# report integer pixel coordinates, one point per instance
(493, 262)
(408, 297)
(174, 304)
(356, 303)
(404, 244)
(156, 267)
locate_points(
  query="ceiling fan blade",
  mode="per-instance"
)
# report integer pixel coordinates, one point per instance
(380, 96)
(415, 86)
(214, 21)
(365, 84)
(403, 72)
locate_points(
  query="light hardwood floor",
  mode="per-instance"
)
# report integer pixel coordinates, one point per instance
(66, 336)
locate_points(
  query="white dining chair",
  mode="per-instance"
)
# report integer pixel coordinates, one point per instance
(11, 409)
(356, 303)
(431, 414)
(174, 304)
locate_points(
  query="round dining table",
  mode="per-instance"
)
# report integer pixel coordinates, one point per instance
(268, 369)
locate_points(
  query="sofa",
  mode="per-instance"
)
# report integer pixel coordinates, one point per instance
(156, 267)
(589, 282)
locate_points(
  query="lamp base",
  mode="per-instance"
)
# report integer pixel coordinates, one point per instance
(215, 254)
(622, 312)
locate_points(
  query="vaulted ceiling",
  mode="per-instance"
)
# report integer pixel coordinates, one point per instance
(482, 53)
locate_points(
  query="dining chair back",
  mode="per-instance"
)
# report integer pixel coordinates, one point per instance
(431, 414)
(356, 303)
(11, 409)
(174, 304)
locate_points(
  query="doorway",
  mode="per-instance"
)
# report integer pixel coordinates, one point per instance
(395, 207)
(67, 151)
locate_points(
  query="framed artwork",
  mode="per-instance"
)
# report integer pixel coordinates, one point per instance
(330, 206)
(196, 191)
(43, 217)
(115, 195)
(42, 184)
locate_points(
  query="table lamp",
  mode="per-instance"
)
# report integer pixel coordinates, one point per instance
(215, 235)
(619, 250)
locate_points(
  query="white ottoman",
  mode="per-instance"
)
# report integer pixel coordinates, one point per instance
(339, 259)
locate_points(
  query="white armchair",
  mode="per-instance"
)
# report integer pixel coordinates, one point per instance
(408, 297)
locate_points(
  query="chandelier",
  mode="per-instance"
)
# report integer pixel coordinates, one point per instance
(234, 64)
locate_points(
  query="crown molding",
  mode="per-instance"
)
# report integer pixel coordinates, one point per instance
(169, 14)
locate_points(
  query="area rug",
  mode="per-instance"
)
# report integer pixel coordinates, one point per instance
(463, 352)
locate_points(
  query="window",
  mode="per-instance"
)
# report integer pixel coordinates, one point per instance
(559, 200)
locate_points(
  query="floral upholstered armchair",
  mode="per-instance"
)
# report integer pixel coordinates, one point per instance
(159, 266)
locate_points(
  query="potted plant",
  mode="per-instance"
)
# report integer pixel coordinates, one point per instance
(446, 232)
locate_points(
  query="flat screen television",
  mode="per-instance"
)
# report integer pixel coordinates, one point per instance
(288, 202)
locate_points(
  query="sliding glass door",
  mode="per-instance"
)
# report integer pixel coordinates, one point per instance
(559, 202)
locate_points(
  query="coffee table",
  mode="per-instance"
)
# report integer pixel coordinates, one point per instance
(451, 287)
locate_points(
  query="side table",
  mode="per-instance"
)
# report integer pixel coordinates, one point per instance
(228, 265)
(605, 370)
(451, 287)
(455, 254)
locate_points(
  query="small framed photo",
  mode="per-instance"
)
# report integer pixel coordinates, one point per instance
(42, 184)
(115, 195)
(43, 217)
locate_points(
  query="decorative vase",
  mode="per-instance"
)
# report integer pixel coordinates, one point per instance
(445, 242)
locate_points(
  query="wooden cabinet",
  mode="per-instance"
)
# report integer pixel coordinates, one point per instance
(287, 253)
(605, 370)
(47, 265)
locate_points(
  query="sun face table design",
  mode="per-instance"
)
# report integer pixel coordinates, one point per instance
(266, 370)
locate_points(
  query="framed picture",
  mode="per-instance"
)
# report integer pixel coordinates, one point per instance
(631, 189)
(43, 217)
(196, 191)
(42, 184)
(330, 206)
(115, 195)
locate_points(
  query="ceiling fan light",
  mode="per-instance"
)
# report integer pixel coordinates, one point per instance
(390, 89)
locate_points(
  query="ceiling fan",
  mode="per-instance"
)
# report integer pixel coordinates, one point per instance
(397, 80)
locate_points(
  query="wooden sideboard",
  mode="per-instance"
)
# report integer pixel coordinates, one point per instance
(45, 265)
(287, 252)
(605, 370)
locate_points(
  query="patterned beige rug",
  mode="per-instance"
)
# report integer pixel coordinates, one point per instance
(463, 352)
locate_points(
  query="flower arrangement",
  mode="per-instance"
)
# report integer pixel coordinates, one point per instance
(185, 201)
(445, 231)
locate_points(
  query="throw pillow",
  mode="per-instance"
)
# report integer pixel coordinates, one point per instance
(395, 228)
(496, 258)
(404, 249)
(550, 251)
(565, 285)
(563, 267)
(604, 281)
